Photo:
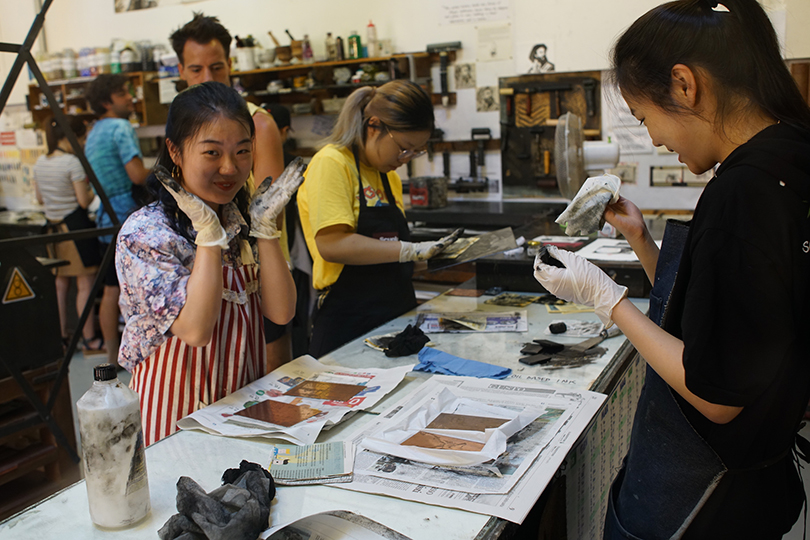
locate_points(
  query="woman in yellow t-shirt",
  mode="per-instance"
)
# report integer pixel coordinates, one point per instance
(353, 218)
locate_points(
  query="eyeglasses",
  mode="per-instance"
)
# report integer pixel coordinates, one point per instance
(404, 154)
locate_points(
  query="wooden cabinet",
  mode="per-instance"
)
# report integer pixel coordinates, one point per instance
(32, 465)
(70, 95)
(529, 107)
(312, 84)
(800, 69)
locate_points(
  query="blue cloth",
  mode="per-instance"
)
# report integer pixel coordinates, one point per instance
(436, 361)
(111, 144)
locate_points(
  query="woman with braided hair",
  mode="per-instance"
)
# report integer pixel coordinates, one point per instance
(714, 443)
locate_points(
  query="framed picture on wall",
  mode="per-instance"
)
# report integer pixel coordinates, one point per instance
(678, 176)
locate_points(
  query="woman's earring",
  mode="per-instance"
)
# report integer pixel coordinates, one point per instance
(177, 174)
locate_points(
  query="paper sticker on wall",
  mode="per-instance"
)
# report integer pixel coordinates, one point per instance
(18, 288)
(494, 42)
(678, 176)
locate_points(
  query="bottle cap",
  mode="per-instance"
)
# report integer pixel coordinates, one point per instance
(104, 372)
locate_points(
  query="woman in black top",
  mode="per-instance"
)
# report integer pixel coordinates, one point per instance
(728, 336)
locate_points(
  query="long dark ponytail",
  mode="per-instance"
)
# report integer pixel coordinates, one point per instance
(736, 46)
(192, 109)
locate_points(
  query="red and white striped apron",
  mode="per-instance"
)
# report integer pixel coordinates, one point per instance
(177, 379)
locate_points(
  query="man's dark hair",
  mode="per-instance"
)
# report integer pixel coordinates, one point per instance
(201, 29)
(279, 112)
(100, 90)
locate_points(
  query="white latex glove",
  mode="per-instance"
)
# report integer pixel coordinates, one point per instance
(271, 197)
(203, 218)
(581, 282)
(422, 251)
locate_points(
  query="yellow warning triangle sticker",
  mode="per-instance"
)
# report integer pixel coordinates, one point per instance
(18, 289)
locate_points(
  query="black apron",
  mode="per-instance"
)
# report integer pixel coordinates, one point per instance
(365, 296)
(650, 499)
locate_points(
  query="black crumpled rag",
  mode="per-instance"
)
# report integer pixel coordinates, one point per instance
(239, 510)
(409, 341)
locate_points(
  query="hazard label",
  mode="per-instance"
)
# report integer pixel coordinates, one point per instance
(18, 289)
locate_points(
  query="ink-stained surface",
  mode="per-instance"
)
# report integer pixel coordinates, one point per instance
(465, 422)
(325, 390)
(278, 413)
(424, 439)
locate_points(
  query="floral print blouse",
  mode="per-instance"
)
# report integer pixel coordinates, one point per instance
(154, 263)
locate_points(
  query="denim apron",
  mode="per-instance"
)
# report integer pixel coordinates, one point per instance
(365, 296)
(650, 499)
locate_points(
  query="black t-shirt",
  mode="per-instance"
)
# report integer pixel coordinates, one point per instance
(741, 300)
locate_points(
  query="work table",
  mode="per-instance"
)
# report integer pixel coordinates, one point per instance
(204, 457)
(472, 214)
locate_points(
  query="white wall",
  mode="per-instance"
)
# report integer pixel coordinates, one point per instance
(16, 18)
(578, 34)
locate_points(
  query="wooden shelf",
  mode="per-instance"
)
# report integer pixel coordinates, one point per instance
(13, 464)
(149, 109)
(335, 63)
(255, 81)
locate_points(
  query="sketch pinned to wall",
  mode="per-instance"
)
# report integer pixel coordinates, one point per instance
(134, 5)
(323, 124)
(494, 42)
(678, 176)
(122, 6)
(540, 63)
(465, 76)
(472, 11)
(632, 140)
(627, 172)
(486, 100)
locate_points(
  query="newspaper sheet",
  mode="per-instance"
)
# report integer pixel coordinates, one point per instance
(539, 449)
(473, 321)
(220, 418)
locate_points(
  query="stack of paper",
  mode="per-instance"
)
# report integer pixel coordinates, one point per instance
(506, 487)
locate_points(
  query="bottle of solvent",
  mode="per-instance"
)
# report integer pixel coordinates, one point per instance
(371, 40)
(112, 451)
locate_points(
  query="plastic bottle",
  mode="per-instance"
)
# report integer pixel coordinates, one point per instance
(339, 51)
(371, 39)
(307, 50)
(331, 48)
(112, 451)
(69, 64)
(355, 46)
(83, 62)
(103, 60)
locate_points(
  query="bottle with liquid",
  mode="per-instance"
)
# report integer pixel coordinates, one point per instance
(355, 46)
(112, 451)
(331, 48)
(339, 51)
(306, 50)
(69, 64)
(371, 40)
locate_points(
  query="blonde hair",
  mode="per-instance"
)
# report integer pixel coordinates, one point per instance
(400, 105)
